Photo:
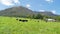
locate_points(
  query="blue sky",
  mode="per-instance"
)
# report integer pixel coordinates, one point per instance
(35, 5)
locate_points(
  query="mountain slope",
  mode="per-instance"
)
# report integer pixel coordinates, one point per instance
(46, 13)
(22, 11)
(16, 11)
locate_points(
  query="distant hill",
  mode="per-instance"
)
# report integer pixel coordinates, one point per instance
(46, 13)
(22, 11)
(16, 11)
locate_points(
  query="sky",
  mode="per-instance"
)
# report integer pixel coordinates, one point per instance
(35, 5)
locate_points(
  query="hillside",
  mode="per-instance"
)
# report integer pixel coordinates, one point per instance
(47, 13)
(16, 11)
(22, 11)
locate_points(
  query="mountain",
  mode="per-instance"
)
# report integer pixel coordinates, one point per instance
(22, 11)
(16, 11)
(46, 13)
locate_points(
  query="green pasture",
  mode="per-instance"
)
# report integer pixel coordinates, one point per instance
(9, 25)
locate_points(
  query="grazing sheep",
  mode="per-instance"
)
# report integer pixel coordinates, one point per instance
(23, 20)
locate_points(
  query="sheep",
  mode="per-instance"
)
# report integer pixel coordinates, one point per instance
(23, 20)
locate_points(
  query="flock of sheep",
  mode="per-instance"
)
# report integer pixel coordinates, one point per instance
(22, 20)
(46, 20)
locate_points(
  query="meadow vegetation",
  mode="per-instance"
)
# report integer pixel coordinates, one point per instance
(9, 25)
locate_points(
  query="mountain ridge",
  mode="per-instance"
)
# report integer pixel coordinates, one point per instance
(22, 11)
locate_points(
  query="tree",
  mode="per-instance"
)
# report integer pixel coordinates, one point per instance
(57, 18)
(38, 16)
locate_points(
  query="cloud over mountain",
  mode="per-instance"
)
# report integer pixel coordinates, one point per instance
(28, 6)
(53, 11)
(9, 2)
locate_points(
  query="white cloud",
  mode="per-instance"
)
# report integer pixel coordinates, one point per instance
(41, 10)
(9, 2)
(6, 2)
(53, 11)
(28, 6)
(16, 1)
(49, 1)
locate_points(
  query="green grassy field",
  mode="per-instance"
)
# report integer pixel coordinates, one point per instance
(9, 25)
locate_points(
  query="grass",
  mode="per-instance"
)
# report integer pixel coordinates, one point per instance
(9, 25)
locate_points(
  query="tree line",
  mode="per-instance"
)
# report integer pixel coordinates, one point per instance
(39, 16)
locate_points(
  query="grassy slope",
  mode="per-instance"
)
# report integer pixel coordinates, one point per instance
(10, 25)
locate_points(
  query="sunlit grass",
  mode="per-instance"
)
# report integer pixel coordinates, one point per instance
(9, 25)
